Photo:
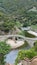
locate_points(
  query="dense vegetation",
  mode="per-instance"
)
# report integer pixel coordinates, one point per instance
(16, 6)
(8, 23)
(15, 14)
(4, 49)
(12, 11)
(27, 53)
(13, 5)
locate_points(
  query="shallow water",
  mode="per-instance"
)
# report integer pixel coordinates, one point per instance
(10, 58)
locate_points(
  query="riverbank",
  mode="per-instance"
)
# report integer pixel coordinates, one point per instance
(15, 44)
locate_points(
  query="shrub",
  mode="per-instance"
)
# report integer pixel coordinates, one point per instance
(25, 53)
(4, 49)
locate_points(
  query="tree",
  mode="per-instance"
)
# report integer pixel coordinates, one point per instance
(7, 26)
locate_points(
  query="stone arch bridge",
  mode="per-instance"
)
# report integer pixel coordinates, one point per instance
(29, 40)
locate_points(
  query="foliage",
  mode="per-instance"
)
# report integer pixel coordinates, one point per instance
(7, 22)
(26, 23)
(8, 26)
(4, 49)
(21, 33)
(14, 6)
(25, 53)
(18, 24)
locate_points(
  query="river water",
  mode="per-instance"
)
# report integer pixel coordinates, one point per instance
(10, 58)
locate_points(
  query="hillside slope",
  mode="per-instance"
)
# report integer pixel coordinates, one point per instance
(15, 6)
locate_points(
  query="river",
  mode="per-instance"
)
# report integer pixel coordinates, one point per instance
(10, 58)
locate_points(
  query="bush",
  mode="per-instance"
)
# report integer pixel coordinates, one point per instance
(25, 53)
